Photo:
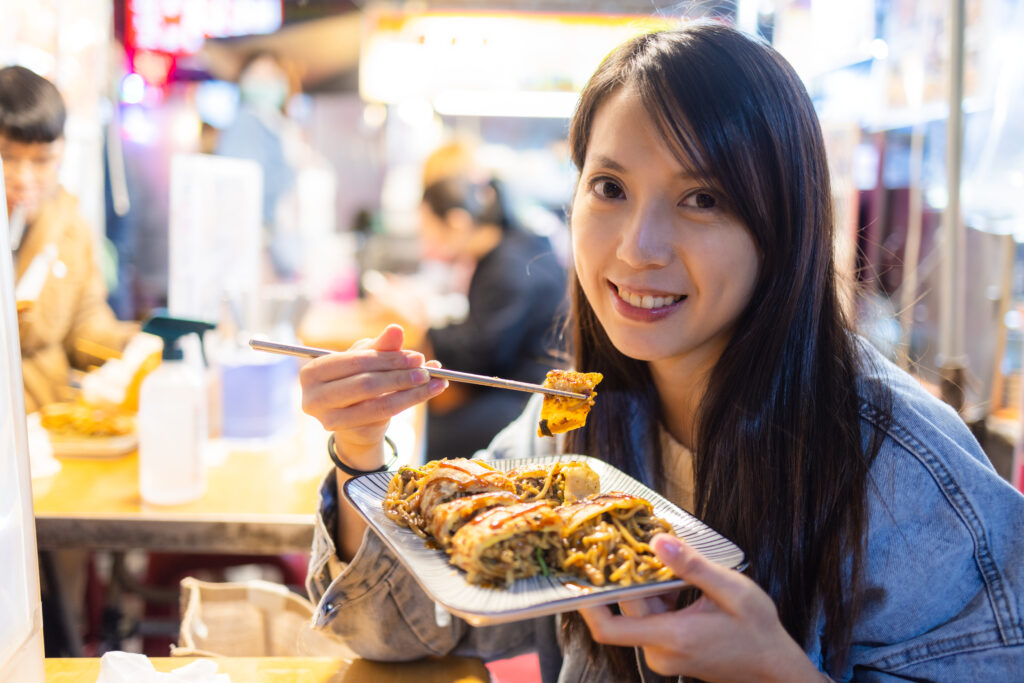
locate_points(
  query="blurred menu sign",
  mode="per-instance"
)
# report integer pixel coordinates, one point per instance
(446, 55)
(179, 27)
(215, 236)
(21, 624)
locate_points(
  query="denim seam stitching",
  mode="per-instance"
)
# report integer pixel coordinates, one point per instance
(944, 647)
(1001, 609)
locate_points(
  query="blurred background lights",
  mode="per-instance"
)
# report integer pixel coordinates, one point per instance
(133, 88)
(879, 49)
(138, 127)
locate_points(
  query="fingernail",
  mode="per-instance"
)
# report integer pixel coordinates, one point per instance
(414, 360)
(419, 376)
(437, 385)
(667, 546)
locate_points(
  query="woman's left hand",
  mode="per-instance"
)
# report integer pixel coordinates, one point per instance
(731, 633)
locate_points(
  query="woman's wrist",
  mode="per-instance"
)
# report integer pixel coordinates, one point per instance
(376, 458)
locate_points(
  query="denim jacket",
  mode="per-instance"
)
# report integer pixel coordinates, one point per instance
(943, 597)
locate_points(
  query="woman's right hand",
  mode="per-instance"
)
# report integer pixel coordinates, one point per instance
(355, 393)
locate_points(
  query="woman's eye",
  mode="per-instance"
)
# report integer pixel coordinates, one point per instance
(608, 189)
(701, 200)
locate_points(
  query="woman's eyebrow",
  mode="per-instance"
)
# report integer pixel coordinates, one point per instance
(609, 163)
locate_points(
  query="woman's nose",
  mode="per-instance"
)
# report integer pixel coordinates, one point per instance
(646, 240)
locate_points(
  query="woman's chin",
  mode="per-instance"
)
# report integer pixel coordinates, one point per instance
(643, 349)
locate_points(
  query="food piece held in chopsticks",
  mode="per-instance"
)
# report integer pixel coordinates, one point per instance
(413, 493)
(508, 543)
(607, 537)
(562, 482)
(559, 413)
(447, 518)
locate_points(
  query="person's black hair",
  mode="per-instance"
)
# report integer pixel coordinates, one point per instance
(31, 108)
(485, 203)
(779, 462)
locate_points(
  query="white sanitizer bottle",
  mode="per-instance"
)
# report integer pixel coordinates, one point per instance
(172, 420)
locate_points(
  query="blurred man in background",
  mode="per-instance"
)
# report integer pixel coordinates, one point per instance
(68, 323)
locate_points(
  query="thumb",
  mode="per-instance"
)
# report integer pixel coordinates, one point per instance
(390, 339)
(721, 585)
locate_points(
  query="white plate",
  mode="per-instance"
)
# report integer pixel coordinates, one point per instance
(539, 595)
(94, 446)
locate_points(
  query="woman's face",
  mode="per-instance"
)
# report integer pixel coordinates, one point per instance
(667, 268)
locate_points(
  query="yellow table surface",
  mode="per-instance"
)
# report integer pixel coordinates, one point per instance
(296, 670)
(254, 502)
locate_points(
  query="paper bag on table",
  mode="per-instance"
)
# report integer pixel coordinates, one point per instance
(250, 619)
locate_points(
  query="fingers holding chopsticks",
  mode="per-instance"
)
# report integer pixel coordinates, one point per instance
(355, 393)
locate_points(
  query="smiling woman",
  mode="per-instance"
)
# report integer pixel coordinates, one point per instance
(705, 293)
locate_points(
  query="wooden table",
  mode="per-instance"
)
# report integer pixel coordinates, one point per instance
(297, 670)
(256, 502)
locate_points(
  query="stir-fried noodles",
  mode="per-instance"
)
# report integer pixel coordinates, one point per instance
(500, 526)
(606, 539)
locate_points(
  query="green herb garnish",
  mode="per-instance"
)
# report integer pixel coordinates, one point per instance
(543, 566)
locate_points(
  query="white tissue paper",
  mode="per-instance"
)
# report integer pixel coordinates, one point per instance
(127, 667)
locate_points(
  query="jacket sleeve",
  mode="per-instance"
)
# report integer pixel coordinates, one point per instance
(375, 605)
(943, 593)
(93, 322)
(378, 609)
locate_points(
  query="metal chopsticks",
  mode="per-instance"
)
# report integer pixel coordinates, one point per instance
(455, 376)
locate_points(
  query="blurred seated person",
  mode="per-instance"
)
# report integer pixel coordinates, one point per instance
(515, 295)
(69, 324)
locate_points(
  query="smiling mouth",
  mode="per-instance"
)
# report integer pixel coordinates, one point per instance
(647, 301)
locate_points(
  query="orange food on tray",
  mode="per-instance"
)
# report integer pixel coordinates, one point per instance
(83, 419)
(560, 413)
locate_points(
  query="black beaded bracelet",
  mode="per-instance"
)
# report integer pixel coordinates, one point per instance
(352, 471)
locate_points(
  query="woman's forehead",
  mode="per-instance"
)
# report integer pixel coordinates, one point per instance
(624, 122)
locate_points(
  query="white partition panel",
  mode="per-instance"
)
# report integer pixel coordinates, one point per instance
(21, 626)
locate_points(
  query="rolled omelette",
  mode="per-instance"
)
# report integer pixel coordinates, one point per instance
(508, 543)
(414, 492)
(448, 518)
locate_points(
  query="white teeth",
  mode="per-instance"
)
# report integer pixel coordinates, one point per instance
(646, 301)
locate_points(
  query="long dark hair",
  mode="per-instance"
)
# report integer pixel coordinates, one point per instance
(779, 464)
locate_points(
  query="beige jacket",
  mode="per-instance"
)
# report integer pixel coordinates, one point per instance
(71, 313)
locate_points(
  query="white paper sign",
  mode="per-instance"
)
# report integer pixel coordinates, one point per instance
(215, 234)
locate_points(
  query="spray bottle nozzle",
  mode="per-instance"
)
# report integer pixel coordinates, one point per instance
(171, 329)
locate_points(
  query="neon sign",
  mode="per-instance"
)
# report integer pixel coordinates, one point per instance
(180, 27)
